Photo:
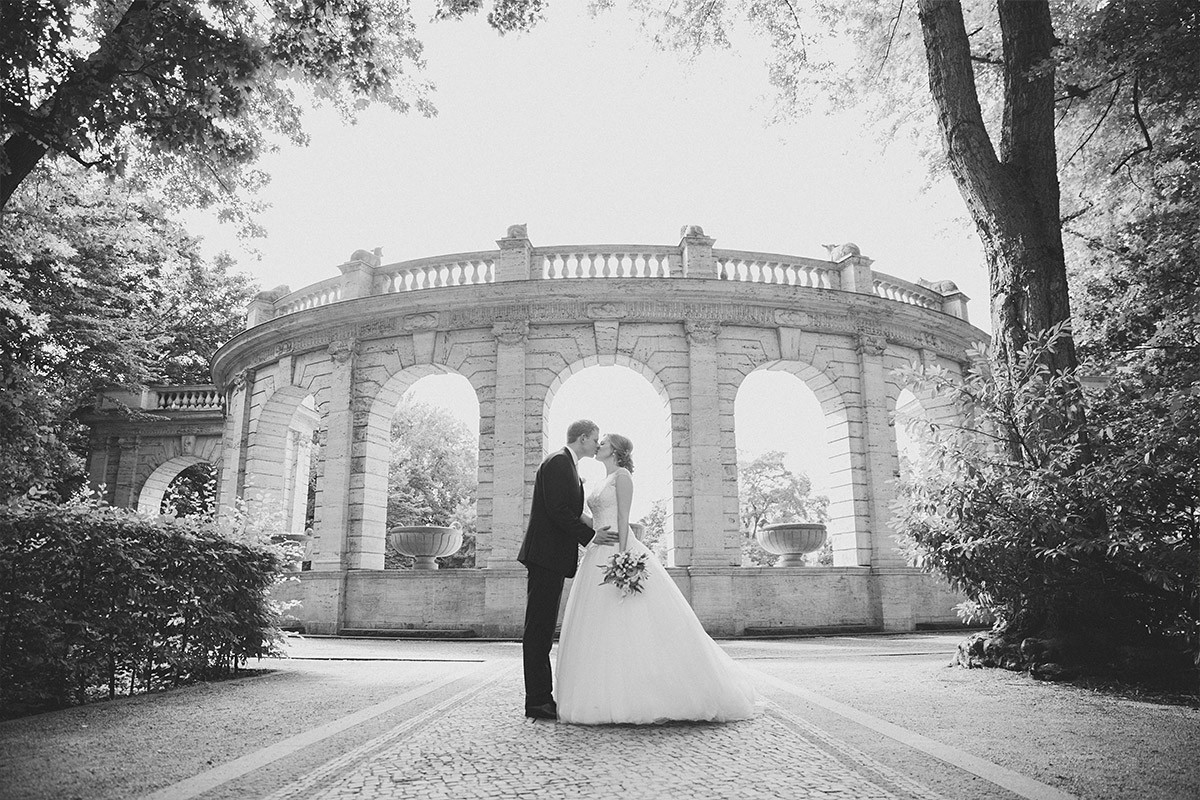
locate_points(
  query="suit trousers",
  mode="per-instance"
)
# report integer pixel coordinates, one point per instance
(542, 597)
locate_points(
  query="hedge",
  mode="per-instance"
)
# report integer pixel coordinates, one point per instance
(98, 601)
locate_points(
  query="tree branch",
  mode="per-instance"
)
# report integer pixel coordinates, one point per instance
(1096, 127)
(1137, 115)
(891, 38)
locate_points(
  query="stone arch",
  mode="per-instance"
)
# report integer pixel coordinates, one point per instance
(572, 369)
(150, 497)
(838, 416)
(272, 472)
(368, 507)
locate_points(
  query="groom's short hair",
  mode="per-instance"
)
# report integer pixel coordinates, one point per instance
(581, 428)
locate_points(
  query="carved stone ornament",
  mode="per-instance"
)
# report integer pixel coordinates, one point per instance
(283, 347)
(701, 330)
(871, 344)
(510, 331)
(787, 318)
(187, 444)
(341, 350)
(517, 232)
(420, 322)
(241, 378)
(606, 310)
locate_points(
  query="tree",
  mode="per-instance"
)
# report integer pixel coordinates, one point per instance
(432, 475)
(769, 492)
(654, 529)
(189, 92)
(98, 280)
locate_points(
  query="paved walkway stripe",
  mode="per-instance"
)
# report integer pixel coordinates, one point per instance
(330, 770)
(209, 779)
(1015, 782)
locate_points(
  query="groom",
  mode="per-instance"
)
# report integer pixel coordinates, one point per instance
(551, 552)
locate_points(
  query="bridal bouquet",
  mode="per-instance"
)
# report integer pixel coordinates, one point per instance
(625, 571)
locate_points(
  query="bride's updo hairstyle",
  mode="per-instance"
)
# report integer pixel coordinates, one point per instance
(622, 450)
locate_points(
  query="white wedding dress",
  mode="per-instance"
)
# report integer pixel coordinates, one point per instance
(642, 658)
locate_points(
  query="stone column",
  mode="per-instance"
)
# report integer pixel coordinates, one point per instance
(709, 545)
(507, 525)
(697, 252)
(126, 491)
(336, 547)
(882, 459)
(516, 255)
(234, 443)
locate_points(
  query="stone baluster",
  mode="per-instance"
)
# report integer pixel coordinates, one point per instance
(516, 255)
(697, 253)
(358, 274)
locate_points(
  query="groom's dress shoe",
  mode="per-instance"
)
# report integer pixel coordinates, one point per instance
(544, 711)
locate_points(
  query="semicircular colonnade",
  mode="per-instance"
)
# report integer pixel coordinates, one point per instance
(517, 322)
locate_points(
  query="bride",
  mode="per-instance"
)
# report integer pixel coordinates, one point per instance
(641, 658)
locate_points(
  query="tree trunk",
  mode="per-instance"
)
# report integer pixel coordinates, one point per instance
(1012, 198)
(58, 117)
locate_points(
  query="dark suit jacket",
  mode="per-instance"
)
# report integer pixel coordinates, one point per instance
(555, 530)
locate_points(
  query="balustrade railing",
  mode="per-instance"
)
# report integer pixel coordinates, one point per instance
(904, 292)
(733, 265)
(184, 398)
(319, 294)
(463, 269)
(607, 261)
(694, 257)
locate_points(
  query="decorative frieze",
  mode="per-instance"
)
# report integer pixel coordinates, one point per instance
(426, 321)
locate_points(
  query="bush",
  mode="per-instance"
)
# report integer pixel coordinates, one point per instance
(1079, 531)
(97, 601)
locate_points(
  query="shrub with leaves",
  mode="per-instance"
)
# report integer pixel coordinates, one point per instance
(1080, 541)
(98, 601)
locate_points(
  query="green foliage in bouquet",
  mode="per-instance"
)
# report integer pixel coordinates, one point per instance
(625, 571)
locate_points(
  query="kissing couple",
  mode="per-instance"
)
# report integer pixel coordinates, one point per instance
(638, 657)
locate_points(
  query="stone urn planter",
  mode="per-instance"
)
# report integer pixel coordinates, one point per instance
(791, 540)
(424, 543)
(295, 547)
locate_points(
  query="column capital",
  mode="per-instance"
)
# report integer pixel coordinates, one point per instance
(342, 350)
(700, 331)
(511, 331)
(870, 344)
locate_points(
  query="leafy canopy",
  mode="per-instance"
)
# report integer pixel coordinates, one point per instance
(188, 93)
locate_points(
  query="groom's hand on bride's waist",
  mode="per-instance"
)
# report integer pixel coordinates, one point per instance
(605, 535)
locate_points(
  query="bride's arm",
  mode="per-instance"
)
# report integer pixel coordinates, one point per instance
(624, 500)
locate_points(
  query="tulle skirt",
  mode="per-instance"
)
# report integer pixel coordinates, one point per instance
(643, 658)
